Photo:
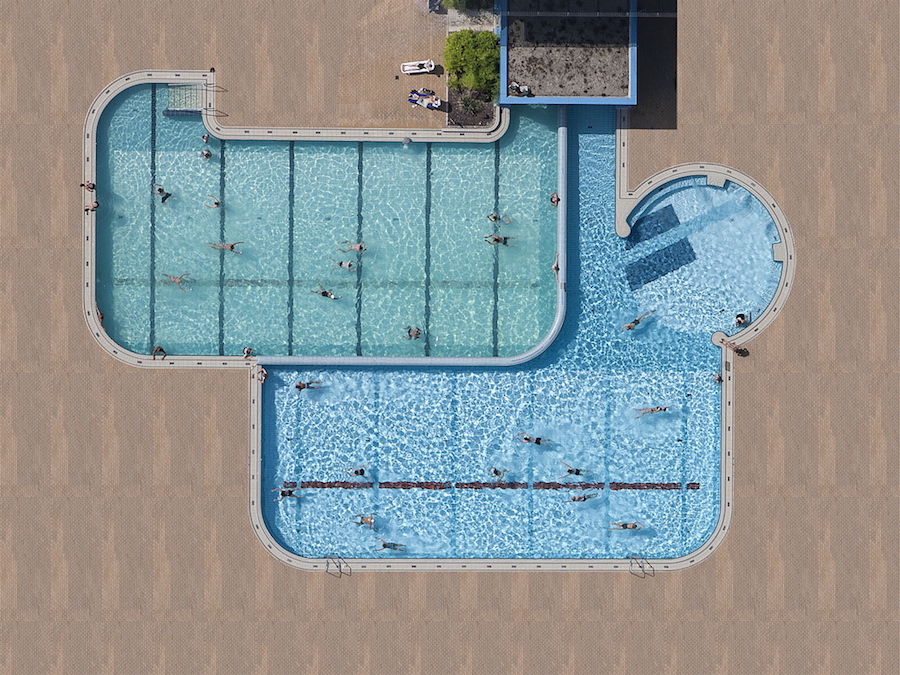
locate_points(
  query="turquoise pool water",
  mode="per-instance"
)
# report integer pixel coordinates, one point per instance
(444, 429)
(420, 209)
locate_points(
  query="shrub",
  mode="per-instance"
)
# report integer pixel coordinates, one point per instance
(470, 103)
(473, 60)
(467, 4)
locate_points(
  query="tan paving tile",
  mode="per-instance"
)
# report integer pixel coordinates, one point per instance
(125, 543)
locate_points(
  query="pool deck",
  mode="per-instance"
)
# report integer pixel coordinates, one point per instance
(126, 542)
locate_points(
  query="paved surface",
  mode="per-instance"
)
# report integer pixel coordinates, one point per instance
(125, 543)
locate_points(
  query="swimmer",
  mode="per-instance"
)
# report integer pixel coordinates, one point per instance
(717, 378)
(625, 526)
(315, 384)
(554, 199)
(368, 521)
(346, 265)
(634, 324)
(498, 474)
(357, 471)
(99, 314)
(412, 333)
(583, 498)
(205, 155)
(248, 352)
(90, 187)
(495, 217)
(389, 545)
(205, 138)
(555, 267)
(525, 438)
(497, 239)
(171, 279)
(287, 490)
(222, 246)
(572, 471)
(161, 191)
(649, 411)
(359, 248)
(93, 206)
(216, 203)
(327, 294)
(158, 350)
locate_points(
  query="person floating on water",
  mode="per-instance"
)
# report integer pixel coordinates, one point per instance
(216, 203)
(171, 279)
(359, 248)
(572, 471)
(494, 239)
(583, 498)
(625, 526)
(495, 217)
(368, 521)
(314, 384)
(327, 294)
(287, 490)
(634, 324)
(537, 440)
(412, 333)
(390, 545)
(359, 471)
(649, 411)
(344, 264)
(222, 246)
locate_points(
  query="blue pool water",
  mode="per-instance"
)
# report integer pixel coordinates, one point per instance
(449, 426)
(421, 210)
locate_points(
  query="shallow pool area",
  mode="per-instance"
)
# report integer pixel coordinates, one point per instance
(421, 208)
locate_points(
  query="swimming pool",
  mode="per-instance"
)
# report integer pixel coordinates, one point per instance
(421, 209)
(429, 437)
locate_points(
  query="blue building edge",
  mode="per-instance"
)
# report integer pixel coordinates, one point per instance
(501, 6)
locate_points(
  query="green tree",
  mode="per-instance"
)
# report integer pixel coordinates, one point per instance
(472, 58)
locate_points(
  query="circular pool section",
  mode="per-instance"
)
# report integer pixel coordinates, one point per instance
(702, 253)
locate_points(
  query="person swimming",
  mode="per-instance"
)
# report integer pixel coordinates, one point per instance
(634, 324)
(494, 239)
(537, 440)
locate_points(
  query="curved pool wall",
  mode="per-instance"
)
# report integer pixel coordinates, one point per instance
(609, 371)
(197, 325)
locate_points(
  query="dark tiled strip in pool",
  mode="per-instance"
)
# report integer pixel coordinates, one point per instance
(427, 289)
(152, 309)
(359, 235)
(495, 316)
(222, 252)
(290, 289)
(480, 485)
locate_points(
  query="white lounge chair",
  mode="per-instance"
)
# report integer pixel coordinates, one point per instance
(416, 67)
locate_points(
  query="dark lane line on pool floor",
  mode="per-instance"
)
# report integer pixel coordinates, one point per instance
(222, 252)
(152, 218)
(290, 286)
(495, 316)
(359, 234)
(427, 249)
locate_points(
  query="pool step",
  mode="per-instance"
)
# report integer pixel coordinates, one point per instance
(185, 100)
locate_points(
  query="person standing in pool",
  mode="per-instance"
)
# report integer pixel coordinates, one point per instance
(205, 155)
(390, 545)
(368, 521)
(634, 324)
(161, 191)
(412, 333)
(554, 199)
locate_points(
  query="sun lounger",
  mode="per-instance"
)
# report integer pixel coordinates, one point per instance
(416, 67)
